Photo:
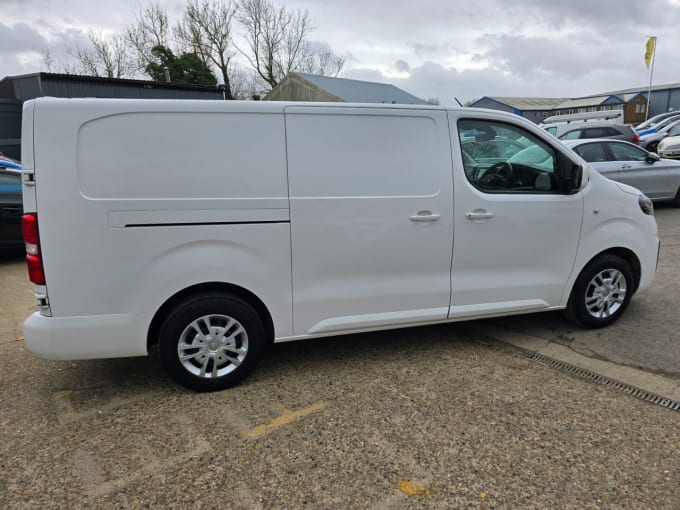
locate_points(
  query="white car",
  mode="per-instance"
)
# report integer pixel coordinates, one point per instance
(669, 147)
(657, 178)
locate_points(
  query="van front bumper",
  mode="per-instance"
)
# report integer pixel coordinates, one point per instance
(87, 337)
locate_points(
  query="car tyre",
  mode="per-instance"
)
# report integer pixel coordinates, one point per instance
(652, 147)
(211, 341)
(676, 200)
(601, 293)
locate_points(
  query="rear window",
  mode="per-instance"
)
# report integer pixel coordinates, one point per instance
(599, 132)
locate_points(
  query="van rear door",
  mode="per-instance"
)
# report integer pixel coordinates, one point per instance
(371, 206)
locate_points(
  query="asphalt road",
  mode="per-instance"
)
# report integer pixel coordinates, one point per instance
(414, 418)
(648, 334)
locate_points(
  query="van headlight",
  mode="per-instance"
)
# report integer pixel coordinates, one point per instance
(646, 205)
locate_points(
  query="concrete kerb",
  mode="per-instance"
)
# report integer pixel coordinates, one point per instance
(669, 388)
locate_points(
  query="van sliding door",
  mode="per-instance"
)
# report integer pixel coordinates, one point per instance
(371, 206)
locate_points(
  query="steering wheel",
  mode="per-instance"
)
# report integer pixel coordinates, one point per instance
(498, 174)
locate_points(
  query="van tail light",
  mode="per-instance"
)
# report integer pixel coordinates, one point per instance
(29, 229)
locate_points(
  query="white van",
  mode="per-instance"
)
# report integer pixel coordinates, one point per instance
(213, 228)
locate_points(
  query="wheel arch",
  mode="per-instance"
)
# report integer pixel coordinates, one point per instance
(222, 287)
(624, 253)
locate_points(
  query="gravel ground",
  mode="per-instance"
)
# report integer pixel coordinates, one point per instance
(417, 418)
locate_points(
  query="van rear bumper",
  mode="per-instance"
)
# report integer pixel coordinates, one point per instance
(87, 337)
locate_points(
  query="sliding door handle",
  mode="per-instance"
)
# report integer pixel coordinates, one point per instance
(424, 216)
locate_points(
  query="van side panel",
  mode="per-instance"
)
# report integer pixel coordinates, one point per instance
(193, 156)
(138, 200)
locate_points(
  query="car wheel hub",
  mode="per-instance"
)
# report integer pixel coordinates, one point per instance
(605, 293)
(212, 346)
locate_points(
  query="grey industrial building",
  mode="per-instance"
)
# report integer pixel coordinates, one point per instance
(14, 90)
(632, 101)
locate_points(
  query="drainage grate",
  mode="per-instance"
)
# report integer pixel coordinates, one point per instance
(583, 373)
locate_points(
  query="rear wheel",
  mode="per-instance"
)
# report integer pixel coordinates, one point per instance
(652, 147)
(676, 200)
(601, 293)
(211, 341)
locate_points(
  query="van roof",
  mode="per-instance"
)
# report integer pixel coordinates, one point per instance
(209, 105)
(265, 106)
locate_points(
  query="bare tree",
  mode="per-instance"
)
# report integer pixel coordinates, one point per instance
(275, 38)
(48, 61)
(324, 63)
(247, 84)
(150, 29)
(106, 56)
(206, 29)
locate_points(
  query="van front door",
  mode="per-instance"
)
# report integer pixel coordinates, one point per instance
(515, 233)
(371, 214)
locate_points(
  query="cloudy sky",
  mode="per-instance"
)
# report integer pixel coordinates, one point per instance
(431, 48)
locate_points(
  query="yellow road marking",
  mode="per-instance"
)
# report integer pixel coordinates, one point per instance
(287, 416)
(20, 338)
(412, 489)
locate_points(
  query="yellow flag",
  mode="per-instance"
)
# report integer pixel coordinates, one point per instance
(649, 47)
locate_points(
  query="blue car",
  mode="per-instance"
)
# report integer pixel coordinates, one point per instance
(11, 205)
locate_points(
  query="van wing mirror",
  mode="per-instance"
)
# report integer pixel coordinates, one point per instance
(575, 177)
(570, 174)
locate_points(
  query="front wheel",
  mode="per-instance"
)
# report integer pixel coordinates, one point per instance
(211, 341)
(652, 147)
(601, 293)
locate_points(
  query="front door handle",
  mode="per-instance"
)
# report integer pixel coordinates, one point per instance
(626, 167)
(424, 216)
(479, 214)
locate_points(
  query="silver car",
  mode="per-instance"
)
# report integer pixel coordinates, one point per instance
(625, 162)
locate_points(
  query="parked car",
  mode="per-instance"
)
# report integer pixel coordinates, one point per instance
(658, 125)
(6, 162)
(650, 141)
(653, 121)
(657, 178)
(11, 208)
(669, 147)
(596, 130)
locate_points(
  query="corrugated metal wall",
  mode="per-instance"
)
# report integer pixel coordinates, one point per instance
(10, 128)
(663, 101)
(658, 102)
(674, 99)
(73, 88)
(26, 87)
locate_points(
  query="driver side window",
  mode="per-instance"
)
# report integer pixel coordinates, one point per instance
(503, 158)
